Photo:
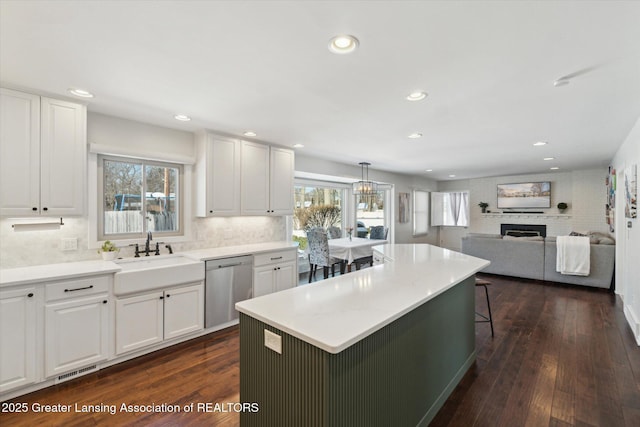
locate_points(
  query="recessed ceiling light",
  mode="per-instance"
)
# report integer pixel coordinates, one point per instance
(539, 143)
(250, 133)
(429, 170)
(561, 82)
(343, 44)
(182, 118)
(417, 96)
(415, 135)
(554, 168)
(549, 158)
(452, 176)
(81, 93)
(298, 145)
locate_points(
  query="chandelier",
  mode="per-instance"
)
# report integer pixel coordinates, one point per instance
(364, 186)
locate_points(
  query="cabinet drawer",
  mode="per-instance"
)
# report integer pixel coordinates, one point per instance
(76, 288)
(274, 257)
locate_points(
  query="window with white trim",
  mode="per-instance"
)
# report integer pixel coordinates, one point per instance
(136, 196)
(450, 209)
(420, 212)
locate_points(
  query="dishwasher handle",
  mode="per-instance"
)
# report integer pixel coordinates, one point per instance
(217, 264)
(230, 265)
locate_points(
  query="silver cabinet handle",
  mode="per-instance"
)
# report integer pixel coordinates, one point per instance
(273, 259)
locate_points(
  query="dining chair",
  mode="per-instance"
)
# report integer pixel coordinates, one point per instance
(378, 232)
(318, 244)
(334, 232)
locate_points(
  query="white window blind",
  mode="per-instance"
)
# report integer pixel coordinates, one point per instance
(420, 212)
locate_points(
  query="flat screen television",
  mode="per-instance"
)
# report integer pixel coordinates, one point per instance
(524, 195)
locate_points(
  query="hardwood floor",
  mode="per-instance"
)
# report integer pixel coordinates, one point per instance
(561, 356)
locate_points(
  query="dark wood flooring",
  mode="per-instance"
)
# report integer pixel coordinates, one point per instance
(561, 356)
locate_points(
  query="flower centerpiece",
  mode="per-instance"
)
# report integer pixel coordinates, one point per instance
(349, 231)
(108, 250)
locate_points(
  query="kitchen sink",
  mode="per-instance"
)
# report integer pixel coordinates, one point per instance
(148, 273)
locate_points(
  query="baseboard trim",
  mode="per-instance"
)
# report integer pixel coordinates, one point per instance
(439, 403)
(633, 322)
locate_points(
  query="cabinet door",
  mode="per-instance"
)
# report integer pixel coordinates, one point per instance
(19, 153)
(281, 181)
(76, 334)
(286, 276)
(139, 321)
(223, 177)
(255, 179)
(17, 338)
(263, 279)
(183, 310)
(63, 158)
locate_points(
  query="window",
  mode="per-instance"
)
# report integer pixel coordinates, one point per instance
(420, 212)
(317, 204)
(370, 211)
(451, 209)
(137, 196)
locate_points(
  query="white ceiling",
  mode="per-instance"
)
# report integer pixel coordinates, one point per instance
(264, 66)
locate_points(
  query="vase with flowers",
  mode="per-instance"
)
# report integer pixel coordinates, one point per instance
(349, 231)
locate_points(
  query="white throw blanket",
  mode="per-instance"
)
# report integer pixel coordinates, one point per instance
(573, 255)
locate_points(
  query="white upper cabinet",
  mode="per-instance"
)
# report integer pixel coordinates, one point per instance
(19, 153)
(217, 176)
(42, 155)
(255, 179)
(281, 181)
(267, 180)
(63, 157)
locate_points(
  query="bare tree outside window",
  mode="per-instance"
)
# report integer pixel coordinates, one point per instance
(139, 197)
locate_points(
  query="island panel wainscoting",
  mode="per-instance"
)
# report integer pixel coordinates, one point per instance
(383, 346)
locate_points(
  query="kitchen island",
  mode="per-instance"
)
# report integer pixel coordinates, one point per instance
(382, 346)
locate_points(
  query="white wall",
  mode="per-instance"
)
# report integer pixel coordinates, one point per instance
(18, 249)
(127, 134)
(584, 191)
(628, 238)
(401, 183)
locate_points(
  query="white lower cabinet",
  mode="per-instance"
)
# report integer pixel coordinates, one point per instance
(76, 334)
(17, 338)
(147, 319)
(139, 321)
(76, 324)
(183, 311)
(274, 271)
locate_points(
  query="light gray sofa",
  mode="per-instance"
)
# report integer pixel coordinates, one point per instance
(518, 258)
(536, 259)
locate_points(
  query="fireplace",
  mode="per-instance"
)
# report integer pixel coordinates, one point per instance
(522, 230)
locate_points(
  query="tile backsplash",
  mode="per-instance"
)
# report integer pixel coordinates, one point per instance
(26, 248)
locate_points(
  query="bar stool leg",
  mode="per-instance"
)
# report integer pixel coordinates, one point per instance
(486, 291)
(484, 283)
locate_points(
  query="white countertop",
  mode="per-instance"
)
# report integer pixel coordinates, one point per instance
(334, 314)
(229, 251)
(48, 272)
(67, 270)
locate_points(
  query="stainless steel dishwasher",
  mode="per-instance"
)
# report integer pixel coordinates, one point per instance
(228, 281)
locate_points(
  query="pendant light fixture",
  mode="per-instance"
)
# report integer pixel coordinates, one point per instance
(364, 186)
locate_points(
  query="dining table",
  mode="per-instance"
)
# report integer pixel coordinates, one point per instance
(350, 249)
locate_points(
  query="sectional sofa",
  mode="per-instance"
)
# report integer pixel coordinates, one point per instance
(535, 258)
